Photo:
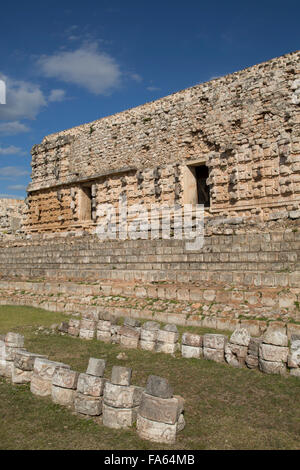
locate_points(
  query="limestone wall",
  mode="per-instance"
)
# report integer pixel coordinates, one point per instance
(11, 216)
(245, 127)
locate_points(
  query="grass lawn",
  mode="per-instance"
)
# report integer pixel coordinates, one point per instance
(226, 408)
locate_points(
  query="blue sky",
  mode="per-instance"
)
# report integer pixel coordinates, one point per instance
(66, 63)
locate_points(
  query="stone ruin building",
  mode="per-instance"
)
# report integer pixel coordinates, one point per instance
(232, 144)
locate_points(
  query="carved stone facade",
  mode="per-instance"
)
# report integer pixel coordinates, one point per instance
(243, 129)
(11, 217)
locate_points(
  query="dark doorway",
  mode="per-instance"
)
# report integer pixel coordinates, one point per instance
(86, 203)
(202, 187)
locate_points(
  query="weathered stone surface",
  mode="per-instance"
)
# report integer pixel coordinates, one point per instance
(63, 396)
(24, 360)
(269, 352)
(148, 335)
(241, 336)
(276, 335)
(294, 355)
(104, 336)
(90, 385)
(73, 331)
(180, 423)
(130, 332)
(235, 354)
(121, 375)
(14, 340)
(216, 355)
(159, 387)
(87, 405)
(120, 396)
(65, 378)
(166, 336)
(11, 352)
(40, 386)
(191, 351)
(156, 431)
(147, 345)
(269, 367)
(87, 324)
(19, 376)
(295, 372)
(167, 348)
(104, 325)
(118, 418)
(191, 339)
(96, 367)
(164, 410)
(132, 322)
(86, 334)
(253, 348)
(214, 341)
(251, 361)
(151, 326)
(129, 341)
(44, 368)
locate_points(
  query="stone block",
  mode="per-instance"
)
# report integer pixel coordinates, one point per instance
(294, 355)
(241, 337)
(155, 431)
(20, 376)
(121, 375)
(118, 418)
(120, 396)
(90, 385)
(216, 355)
(65, 378)
(164, 410)
(269, 367)
(214, 341)
(159, 387)
(129, 342)
(63, 396)
(148, 335)
(191, 339)
(151, 326)
(295, 372)
(191, 351)
(235, 354)
(170, 337)
(24, 360)
(147, 345)
(86, 334)
(44, 368)
(132, 322)
(104, 336)
(40, 386)
(87, 324)
(104, 325)
(251, 361)
(269, 352)
(73, 331)
(11, 352)
(167, 348)
(88, 405)
(14, 340)
(129, 332)
(276, 335)
(96, 367)
(253, 348)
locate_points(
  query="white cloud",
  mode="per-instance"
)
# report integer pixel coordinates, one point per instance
(57, 95)
(12, 150)
(86, 67)
(153, 88)
(10, 196)
(12, 172)
(23, 100)
(17, 187)
(12, 128)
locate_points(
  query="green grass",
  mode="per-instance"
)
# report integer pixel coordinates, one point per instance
(225, 408)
